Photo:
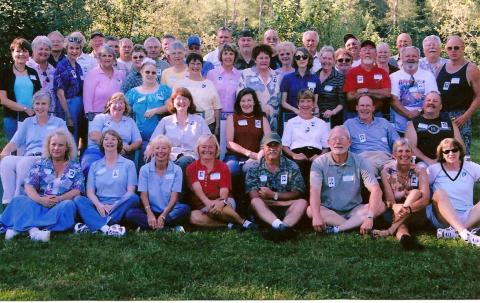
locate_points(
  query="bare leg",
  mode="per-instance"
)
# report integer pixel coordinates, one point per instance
(444, 210)
(295, 212)
(262, 211)
(199, 218)
(473, 217)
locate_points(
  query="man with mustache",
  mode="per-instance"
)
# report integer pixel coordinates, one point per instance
(367, 79)
(409, 87)
(276, 189)
(335, 188)
(432, 60)
(459, 84)
(426, 131)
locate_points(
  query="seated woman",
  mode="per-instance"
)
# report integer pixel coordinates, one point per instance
(183, 127)
(28, 139)
(53, 182)
(110, 190)
(305, 136)
(245, 129)
(159, 184)
(406, 192)
(210, 183)
(452, 181)
(116, 117)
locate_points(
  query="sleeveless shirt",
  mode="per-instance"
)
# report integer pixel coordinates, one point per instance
(430, 132)
(456, 92)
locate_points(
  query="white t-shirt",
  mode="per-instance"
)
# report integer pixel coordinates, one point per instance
(299, 132)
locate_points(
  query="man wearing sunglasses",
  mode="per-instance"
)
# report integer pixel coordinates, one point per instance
(459, 84)
(367, 79)
(409, 88)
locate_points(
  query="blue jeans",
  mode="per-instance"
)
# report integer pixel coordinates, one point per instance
(75, 107)
(90, 155)
(176, 216)
(90, 216)
(9, 127)
(465, 130)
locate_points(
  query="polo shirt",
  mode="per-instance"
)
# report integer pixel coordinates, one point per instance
(299, 132)
(379, 135)
(292, 83)
(98, 88)
(126, 128)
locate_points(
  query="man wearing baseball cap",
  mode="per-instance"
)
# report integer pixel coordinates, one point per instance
(245, 42)
(276, 189)
(97, 39)
(194, 45)
(367, 79)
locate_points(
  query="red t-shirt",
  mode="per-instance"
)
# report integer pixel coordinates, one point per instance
(358, 77)
(211, 181)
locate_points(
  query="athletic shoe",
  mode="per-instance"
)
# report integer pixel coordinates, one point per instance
(473, 239)
(10, 234)
(81, 228)
(447, 233)
(332, 230)
(40, 235)
(116, 231)
(179, 228)
(2, 229)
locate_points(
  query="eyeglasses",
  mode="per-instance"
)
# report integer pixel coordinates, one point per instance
(74, 40)
(301, 57)
(447, 151)
(342, 60)
(46, 77)
(150, 72)
(138, 57)
(450, 48)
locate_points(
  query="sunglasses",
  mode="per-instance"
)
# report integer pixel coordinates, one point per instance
(447, 151)
(342, 60)
(138, 57)
(301, 57)
(150, 72)
(47, 79)
(456, 48)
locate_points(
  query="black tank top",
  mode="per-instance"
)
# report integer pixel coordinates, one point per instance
(456, 92)
(430, 132)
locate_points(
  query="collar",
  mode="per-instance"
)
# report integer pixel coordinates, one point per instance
(281, 166)
(349, 161)
(152, 167)
(120, 159)
(361, 122)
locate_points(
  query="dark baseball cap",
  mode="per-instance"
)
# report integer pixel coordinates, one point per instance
(245, 33)
(273, 137)
(348, 36)
(97, 33)
(368, 42)
(193, 40)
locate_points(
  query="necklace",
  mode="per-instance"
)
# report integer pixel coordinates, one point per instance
(20, 71)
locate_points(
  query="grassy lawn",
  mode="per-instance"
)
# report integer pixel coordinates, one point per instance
(232, 265)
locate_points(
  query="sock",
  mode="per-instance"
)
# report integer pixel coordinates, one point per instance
(230, 225)
(276, 223)
(246, 223)
(464, 234)
(33, 230)
(104, 229)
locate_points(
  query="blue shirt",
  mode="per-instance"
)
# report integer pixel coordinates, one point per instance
(69, 79)
(376, 136)
(207, 66)
(133, 79)
(126, 128)
(140, 103)
(160, 188)
(111, 183)
(23, 89)
(292, 83)
(30, 135)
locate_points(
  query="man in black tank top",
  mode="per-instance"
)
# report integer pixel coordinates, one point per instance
(459, 85)
(427, 130)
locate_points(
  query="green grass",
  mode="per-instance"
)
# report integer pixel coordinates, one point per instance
(232, 265)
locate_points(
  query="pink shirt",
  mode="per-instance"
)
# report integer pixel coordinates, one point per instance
(226, 84)
(98, 87)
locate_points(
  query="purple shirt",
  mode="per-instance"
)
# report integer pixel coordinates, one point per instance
(69, 79)
(46, 79)
(226, 84)
(98, 87)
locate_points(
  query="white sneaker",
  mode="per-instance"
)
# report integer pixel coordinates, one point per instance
(81, 228)
(40, 235)
(447, 233)
(116, 231)
(179, 228)
(10, 234)
(473, 239)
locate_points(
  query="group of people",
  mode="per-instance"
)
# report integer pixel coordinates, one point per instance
(125, 137)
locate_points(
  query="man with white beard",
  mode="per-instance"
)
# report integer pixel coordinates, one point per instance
(432, 49)
(410, 85)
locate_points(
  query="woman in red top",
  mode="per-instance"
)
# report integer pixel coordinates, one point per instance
(209, 180)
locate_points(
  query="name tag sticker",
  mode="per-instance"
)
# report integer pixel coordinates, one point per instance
(108, 123)
(446, 85)
(384, 139)
(33, 77)
(422, 125)
(258, 123)
(101, 171)
(414, 181)
(254, 79)
(348, 178)
(50, 127)
(215, 176)
(331, 181)
(81, 77)
(378, 77)
(47, 171)
(328, 88)
(201, 175)
(263, 178)
(362, 137)
(141, 99)
(359, 78)
(242, 122)
(444, 125)
(283, 179)
(455, 81)
(115, 173)
(168, 176)
(311, 85)
(71, 173)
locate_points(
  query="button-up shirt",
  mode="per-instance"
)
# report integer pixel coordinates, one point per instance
(98, 88)
(42, 178)
(226, 84)
(46, 79)
(379, 135)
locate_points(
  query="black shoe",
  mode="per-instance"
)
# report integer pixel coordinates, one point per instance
(281, 234)
(410, 243)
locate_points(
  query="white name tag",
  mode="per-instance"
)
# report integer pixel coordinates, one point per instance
(71, 173)
(444, 125)
(201, 175)
(141, 99)
(101, 171)
(50, 127)
(81, 77)
(331, 181)
(242, 122)
(455, 81)
(168, 176)
(362, 137)
(414, 181)
(378, 77)
(115, 173)
(359, 78)
(446, 85)
(33, 77)
(215, 176)
(258, 123)
(348, 178)
(311, 85)
(283, 179)
(328, 88)
(263, 178)
(47, 171)
(384, 139)
(422, 125)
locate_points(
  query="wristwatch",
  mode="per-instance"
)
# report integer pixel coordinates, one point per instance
(275, 196)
